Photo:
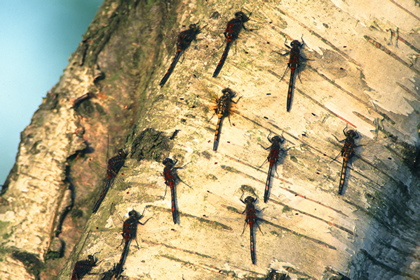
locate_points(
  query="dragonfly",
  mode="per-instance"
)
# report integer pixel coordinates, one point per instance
(294, 62)
(251, 220)
(170, 175)
(272, 159)
(81, 268)
(346, 152)
(114, 165)
(184, 41)
(250, 212)
(231, 33)
(223, 109)
(129, 233)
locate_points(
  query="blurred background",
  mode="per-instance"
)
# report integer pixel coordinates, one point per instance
(36, 39)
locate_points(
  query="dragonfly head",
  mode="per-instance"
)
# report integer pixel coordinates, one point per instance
(277, 139)
(168, 162)
(352, 134)
(228, 92)
(194, 26)
(134, 214)
(92, 260)
(241, 16)
(249, 200)
(296, 43)
(121, 153)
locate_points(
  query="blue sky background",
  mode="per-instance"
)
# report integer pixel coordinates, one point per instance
(36, 39)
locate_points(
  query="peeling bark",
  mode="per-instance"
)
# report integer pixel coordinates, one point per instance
(108, 98)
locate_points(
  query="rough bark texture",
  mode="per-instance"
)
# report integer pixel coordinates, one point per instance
(362, 72)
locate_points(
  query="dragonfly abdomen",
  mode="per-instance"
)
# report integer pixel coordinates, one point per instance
(346, 158)
(222, 59)
(102, 195)
(217, 132)
(268, 183)
(252, 243)
(173, 204)
(290, 89)
(171, 68)
(119, 268)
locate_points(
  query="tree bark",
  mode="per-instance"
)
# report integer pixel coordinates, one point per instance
(361, 72)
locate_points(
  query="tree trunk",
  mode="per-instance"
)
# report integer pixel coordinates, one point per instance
(361, 72)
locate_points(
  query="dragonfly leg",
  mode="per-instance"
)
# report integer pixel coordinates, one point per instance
(138, 247)
(145, 221)
(183, 165)
(285, 40)
(183, 182)
(260, 228)
(335, 157)
(122, 241)
(298, 74)
(345, 129)
(264, 147)
(268, 138)
(211, 117)
(284, 73)
(244, 227)
(236, 102)
(166, 189)
(229, 120)
(263, 162)
(275, 169)
(340, 141)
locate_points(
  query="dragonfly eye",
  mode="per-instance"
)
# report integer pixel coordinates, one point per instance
(278, 139)
(351, 133)
(122, 153)
(92, 259)
(168, 161)
(295, 43)
(249, 199)
(132, 213)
